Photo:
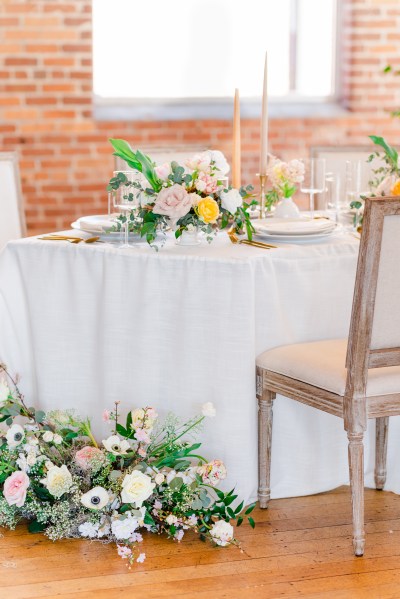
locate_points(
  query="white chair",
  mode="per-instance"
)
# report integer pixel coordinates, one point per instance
(353, 379)
(12, 218)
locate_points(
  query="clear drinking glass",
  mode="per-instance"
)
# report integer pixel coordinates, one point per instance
(126, 199)
(357, 176)
(314, 179)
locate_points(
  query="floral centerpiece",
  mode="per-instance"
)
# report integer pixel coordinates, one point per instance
(190, 197)
(145, 476)
(386, 176)
(283, 178)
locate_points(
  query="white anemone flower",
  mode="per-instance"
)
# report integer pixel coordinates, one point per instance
(116, 445)
(15, 435)
(95, 499)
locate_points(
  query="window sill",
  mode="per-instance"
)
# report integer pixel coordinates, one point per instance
(180, 110)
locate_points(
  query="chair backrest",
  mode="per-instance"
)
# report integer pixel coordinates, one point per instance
(374, 339)
(12, 218)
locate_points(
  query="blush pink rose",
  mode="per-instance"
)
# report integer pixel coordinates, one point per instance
(163, 171)
(15, 487)
(173, 202)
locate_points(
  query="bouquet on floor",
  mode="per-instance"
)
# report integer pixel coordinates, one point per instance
(145, 476)
(190, 197)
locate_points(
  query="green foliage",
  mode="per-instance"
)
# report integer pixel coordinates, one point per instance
(138, 161)
(390, 152)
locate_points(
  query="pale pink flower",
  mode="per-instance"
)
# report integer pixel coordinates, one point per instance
(179, 535)
(142, 452)
(151, 413)
(142, 436)
(124, 551)
(200, 162)
(157, 504)
(163, 170)
(173, 202)
(213, 472)
(106, 416)
(87, 456)
(141, 558)
(15, 487)
(206, 183)
(136, 538)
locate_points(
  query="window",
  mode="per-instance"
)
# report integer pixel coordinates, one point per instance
(190, 53)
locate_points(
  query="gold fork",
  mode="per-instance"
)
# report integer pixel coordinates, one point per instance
(259, 244)
(70, 239)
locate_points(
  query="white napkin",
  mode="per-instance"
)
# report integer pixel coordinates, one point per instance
(295, 227)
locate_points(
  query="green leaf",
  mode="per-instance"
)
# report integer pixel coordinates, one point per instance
(43, 493)
(230, 512)
(390, 152)
(124, 508)
(239, 521)
(40, 416)
(36, 526)
(129, 421)
(252, 523)
(148, 519)
(176, 483)
(250, 509)
(239, 508)
(229, 499)
(122, 431)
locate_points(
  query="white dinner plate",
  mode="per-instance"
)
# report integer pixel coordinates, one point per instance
(101, 229)
(300, 226)
(299, 238)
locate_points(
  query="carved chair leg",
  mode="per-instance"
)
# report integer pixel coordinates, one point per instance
(382, 429)
(356, 466)
(265, 400)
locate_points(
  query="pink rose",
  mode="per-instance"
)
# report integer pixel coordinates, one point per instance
(162, 171)
(173, 202)
(15, 487)
(88, 456)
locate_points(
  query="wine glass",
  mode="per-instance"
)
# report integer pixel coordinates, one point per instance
(314, 179)
(127, 198)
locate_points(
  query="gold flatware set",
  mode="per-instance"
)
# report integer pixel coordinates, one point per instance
(258, 244)
(69, 238)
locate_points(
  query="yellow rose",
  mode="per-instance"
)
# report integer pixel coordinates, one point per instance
(396, 188)
(208, 210)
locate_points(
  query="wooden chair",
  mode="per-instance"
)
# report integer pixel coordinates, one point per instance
(362, 382)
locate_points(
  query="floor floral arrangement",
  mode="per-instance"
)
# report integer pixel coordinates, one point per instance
(190, 197)
(146, 476)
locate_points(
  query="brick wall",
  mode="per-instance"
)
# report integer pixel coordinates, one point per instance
(46, 105)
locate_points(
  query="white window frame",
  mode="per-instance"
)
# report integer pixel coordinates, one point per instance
(292, 105)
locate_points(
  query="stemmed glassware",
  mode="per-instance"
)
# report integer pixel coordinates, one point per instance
(356, 186)
(126, 199)
(314, 179)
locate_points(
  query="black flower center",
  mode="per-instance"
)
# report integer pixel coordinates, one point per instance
(115, 447)
(18, 437)
(95, 500)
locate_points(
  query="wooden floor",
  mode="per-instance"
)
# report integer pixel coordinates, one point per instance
(300, 548)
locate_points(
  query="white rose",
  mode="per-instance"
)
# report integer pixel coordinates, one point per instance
(222, 533)
(48, 437)
(48, 465)
(116, 445)
(200, 162)
(221, 162)
(208, 409)
(231, 200)
(15, 435)
(4, 391)
(159, 478)
(57, 439)
(384, 188)
(171, 519)
(58, 481)
(95, 499)
(136, 488)
(200, 185)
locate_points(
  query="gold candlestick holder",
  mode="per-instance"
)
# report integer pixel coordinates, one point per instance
(263, 179)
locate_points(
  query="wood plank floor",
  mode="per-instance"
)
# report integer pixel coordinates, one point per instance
(301, 548)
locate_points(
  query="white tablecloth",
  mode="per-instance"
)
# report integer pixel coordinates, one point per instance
(86, 325)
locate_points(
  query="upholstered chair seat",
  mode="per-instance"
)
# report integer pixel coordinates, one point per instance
(322, 364)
